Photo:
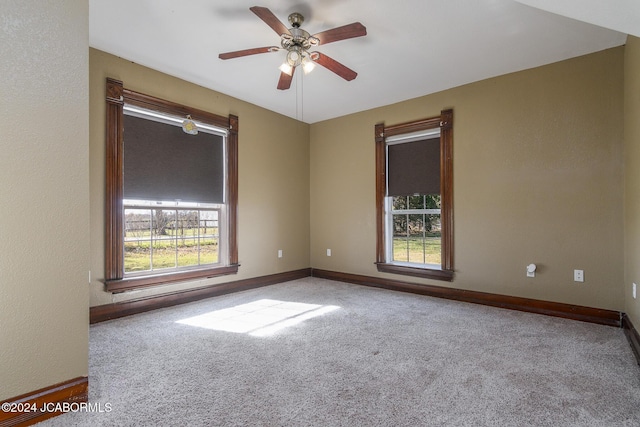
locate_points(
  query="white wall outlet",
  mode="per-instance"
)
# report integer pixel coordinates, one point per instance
(578, 275)
(634, 290)
(279, 253)
(328, 252)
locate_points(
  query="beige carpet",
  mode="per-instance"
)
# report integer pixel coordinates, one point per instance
(313, 352)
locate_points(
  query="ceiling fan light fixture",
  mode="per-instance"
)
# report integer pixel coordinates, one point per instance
(286, 68)
(307, 65)
(294, 56)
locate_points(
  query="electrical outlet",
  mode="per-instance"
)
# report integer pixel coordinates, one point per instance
(279, 253)
(634, 290)
(578, 275)
(328, 252)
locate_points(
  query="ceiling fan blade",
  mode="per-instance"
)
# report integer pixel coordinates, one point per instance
(341, 33)
(333, 65)
(285, 80)
(247, 52)
(270, 19)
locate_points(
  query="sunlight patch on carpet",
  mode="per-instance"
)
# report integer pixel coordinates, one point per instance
(259, 318)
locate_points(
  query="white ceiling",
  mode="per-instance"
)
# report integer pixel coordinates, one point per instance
(412, 47)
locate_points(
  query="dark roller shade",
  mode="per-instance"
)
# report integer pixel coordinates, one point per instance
(163, 163)
(414, 168)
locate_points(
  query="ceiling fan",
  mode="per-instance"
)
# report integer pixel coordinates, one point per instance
(297, 42)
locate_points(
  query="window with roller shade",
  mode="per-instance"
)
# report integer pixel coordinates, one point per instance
(174, 210)
(413, 199)
(171, 196)
(414, 187)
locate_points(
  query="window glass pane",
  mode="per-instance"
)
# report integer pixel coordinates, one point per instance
(187, 238)
(400, 250)
(416, 238)
(164, 239)
(209, 237)
(433, 239)
(415, 202)
(432, 201)
(399, 202)
(170, 238)
(417, 232)
(137, 240)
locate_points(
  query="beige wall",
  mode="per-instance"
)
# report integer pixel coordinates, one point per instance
(273, 206)
(44, 194)
(632, 177)
(537, 179)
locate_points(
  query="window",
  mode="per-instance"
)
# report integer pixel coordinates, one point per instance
(171, 196)
(414, 197)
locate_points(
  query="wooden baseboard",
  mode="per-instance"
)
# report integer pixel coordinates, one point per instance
(632, 335)
(575, 312)
(28, 406)
(586, 314)
(101, 313)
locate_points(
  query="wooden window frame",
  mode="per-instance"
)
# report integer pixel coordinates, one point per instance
(445, 122)
(116, 96)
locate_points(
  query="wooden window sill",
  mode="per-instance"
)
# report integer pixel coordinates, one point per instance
(130, 283)
(425, 273)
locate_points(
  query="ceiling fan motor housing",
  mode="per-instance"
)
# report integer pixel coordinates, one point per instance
(296, 19)
(297, 36)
